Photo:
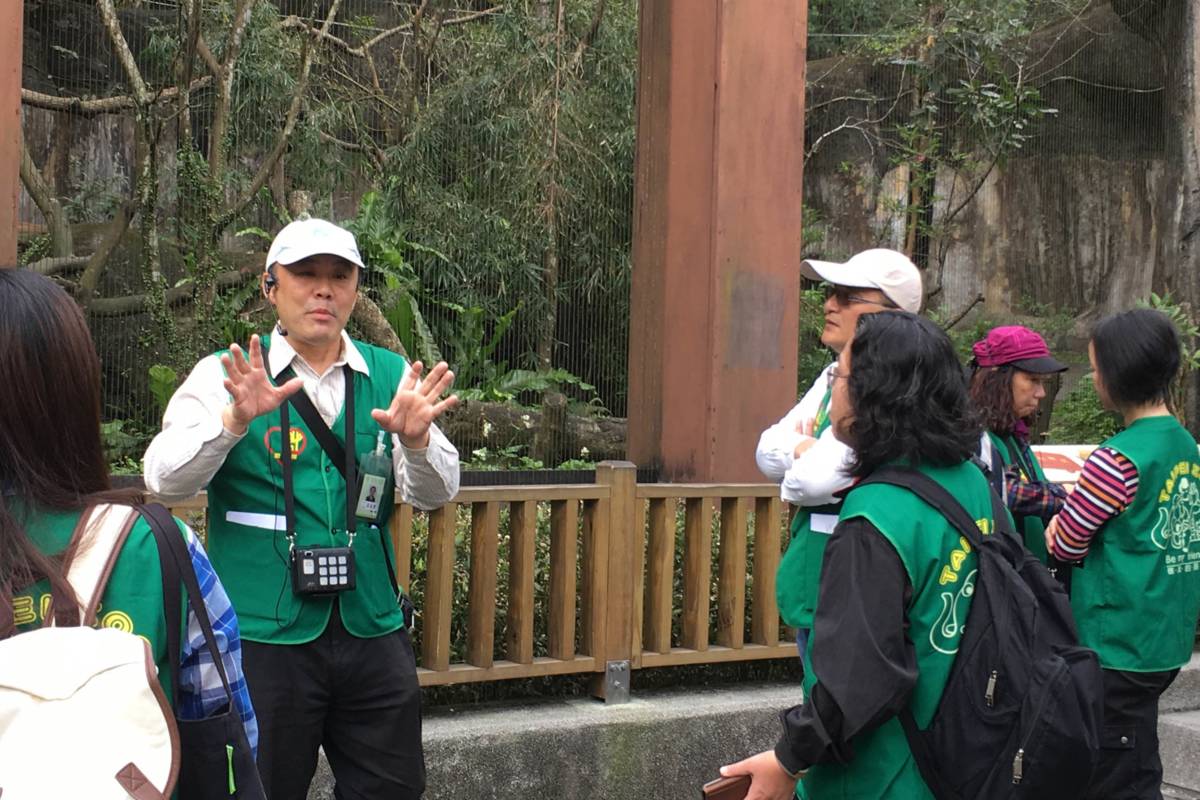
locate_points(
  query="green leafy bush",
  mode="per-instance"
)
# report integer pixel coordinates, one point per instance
(814, 356)
(163, 381)
(1189, 357)
(124, 443)
(1080, 419)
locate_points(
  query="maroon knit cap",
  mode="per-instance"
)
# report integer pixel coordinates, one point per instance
(1017, 346)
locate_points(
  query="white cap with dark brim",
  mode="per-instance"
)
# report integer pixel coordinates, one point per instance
(305, 238)
(886, 270)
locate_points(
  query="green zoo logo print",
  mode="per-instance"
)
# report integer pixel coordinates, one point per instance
(952, 621)
(1178, 527)
(948, 628)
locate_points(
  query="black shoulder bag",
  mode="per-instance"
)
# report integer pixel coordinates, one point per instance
(216, 760)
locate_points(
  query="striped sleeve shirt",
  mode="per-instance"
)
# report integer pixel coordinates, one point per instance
(201, 692)
(1106, 487)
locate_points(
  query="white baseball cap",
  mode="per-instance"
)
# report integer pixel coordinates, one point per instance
(313, 237)
(886, 270)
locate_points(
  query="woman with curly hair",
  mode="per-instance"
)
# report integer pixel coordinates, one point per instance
(1133, 522)
(1008, 374)
(877, 647)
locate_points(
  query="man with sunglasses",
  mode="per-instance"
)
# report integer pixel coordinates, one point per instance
(800, 450)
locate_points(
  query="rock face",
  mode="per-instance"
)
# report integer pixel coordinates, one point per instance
(1071, 220)
(1068, 231)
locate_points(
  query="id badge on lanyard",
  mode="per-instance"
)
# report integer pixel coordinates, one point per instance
(375, 476)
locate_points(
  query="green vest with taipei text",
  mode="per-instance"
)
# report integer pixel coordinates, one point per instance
(132, 600)
(246, 538)
(940, 565)
(800, 568)
(1137, 595)
(1032, 528)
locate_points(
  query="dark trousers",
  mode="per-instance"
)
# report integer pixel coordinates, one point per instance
(358, 698)
(1129, 767)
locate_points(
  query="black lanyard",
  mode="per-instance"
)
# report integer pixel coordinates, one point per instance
(342, 457)
(1022, 454)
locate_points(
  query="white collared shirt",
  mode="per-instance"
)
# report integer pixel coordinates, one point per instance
(194, 442)
(821, 470)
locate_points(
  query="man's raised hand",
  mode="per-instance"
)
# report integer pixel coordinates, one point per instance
(250, 389)
(416, 404)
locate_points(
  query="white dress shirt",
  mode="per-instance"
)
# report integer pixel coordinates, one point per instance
(821, 470)
(194, 442)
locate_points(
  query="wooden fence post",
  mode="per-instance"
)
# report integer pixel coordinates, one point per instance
(624, 556)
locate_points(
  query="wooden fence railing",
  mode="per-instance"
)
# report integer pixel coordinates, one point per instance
(624, 573)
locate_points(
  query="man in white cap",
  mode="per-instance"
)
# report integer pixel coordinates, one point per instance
(305, 560)
(800, 450)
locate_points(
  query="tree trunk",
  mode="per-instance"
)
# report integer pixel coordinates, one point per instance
(1174, 26)
(498, 425)
(1183, 142)
(61, 243)
(375, 327)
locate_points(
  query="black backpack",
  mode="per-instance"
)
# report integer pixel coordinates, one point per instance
(1022, 710)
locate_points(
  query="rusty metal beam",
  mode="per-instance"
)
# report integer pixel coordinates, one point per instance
(12, 25)
(712, 354)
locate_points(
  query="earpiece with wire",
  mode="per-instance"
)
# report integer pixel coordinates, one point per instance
(269, 283)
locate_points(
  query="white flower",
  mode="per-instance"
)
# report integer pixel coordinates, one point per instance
(526, 420)
(487, 428)
(583, 452)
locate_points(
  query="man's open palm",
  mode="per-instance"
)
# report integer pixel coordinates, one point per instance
(417, 404)
(250, 387)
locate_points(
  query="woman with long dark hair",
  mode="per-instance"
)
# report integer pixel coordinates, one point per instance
(1133, 522)
(1009, 369)
(877, 647)
(54, 475)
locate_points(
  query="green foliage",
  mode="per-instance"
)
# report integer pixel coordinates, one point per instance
(484, 179)
(94, 199)
(964, 336)
(479, 376)
(511, 385)
(35, 249)
(1080, 418)
(814, 356)
(1185, 321)
(230, 318)
(1052, 322)
(813, 228)
(124, 443)
(163, 381)
(499, 458)
(964, 103)
(578, 463)
(382, 245)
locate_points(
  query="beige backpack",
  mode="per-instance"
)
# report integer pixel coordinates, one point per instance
(82, 713)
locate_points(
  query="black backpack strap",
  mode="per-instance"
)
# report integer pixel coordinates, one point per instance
(177, 568)
(932, 493)
(945, 504)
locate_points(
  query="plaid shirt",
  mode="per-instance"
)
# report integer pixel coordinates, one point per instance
(201, 693)
(1041, 499)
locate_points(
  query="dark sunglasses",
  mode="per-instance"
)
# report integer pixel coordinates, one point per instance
(846, 297)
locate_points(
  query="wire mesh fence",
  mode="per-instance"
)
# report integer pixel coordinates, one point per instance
(483, 154)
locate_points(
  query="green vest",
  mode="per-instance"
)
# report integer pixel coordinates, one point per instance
(133, 598)
(1033, 529)
(252, 560)
(941, 568)
(1137, 595)
(800, 568)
